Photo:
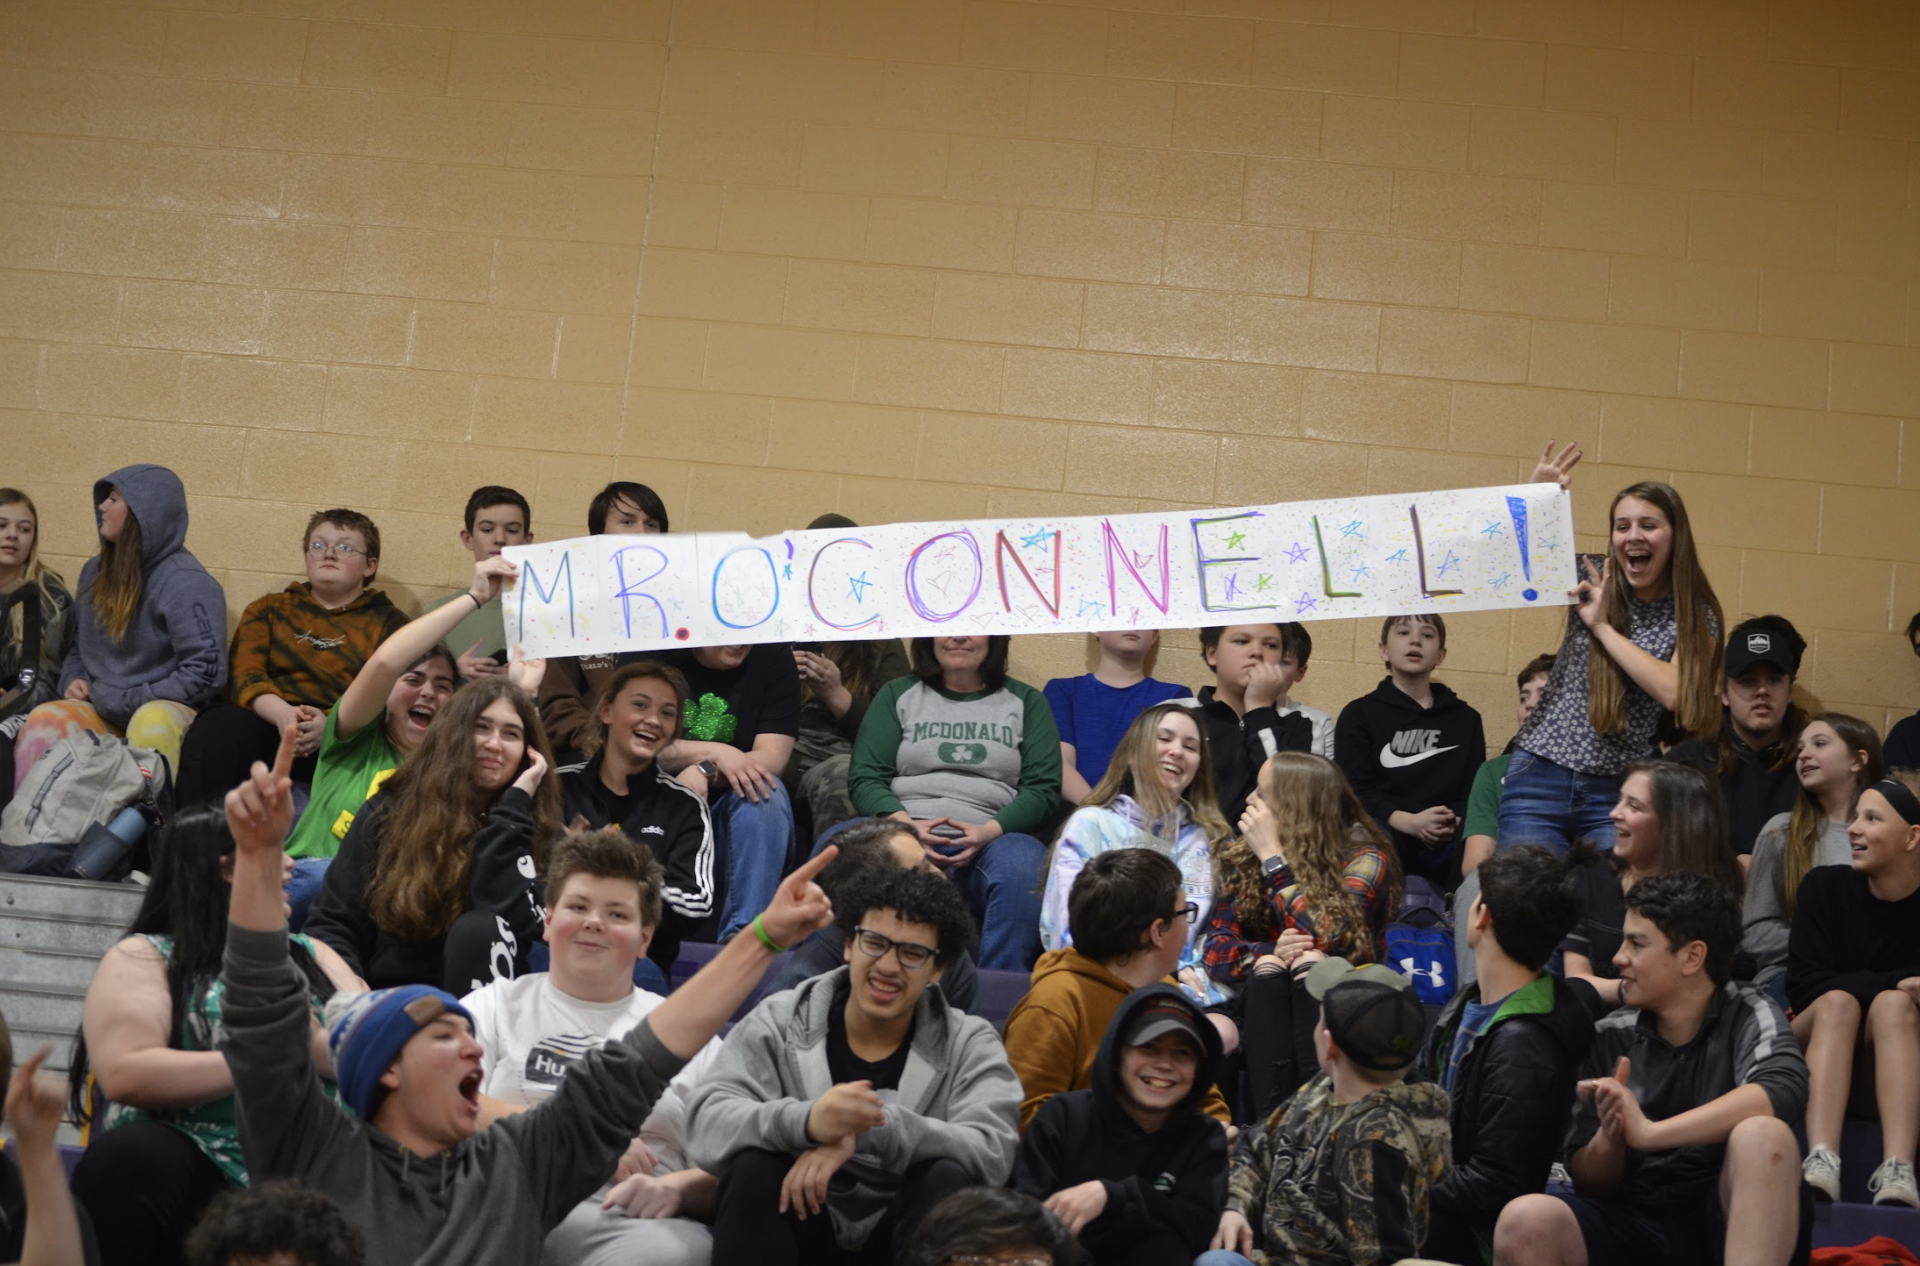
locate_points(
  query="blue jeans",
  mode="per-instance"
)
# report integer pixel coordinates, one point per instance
(1002, 887)
(1542, 802)
(756, 837)
(1221, 1257)
(308, 874)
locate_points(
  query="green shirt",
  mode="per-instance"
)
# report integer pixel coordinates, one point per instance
(349, 772)
(211, 1126)
(1483, 802)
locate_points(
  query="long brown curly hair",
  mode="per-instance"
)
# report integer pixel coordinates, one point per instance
(1322, 824)
(421, 877)
(1698, 656)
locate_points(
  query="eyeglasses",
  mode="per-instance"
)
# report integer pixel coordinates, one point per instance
(320, 549)
(875, 946)
(1189, 911)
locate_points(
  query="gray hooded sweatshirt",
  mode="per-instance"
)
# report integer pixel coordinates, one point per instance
(176, 644)
(959, 1099)
(489, 1201)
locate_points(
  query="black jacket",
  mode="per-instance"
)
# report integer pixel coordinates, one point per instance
(663, 814)
(501, 883)
(1165, 1190)
(1402, 757)
(1241, 746)
(1512, 1098)
(1760, 787)
(1744, 1040)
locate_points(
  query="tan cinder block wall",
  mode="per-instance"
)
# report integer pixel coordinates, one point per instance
(916, 258)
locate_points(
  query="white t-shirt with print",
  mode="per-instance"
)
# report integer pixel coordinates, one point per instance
(532, 1034)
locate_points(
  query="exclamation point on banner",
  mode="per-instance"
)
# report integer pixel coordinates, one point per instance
(1517, 509)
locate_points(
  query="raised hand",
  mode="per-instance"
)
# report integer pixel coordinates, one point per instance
(474, 665)
(491, 577)
(1590, 595)
(260, 810)
(1557, 468)
(799, 908)
(526, 673)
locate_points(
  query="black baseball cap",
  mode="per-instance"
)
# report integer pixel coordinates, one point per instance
(1371, 1011)
(1768, 639)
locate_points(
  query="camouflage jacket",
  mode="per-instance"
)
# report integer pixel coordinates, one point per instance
(1329, 1182)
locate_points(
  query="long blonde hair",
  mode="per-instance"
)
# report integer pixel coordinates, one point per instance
(1809, 818)
(1697, 655)
(1133, 773)
(34, 572)
(421, 876)
(119, 582)
(1322, 824)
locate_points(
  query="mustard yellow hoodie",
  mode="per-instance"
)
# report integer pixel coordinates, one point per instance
(1054, 1032)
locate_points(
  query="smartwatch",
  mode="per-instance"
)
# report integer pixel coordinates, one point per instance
(1272, 865)
(708, 770)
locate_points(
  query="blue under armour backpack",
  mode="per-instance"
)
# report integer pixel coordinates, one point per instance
(1420, 942)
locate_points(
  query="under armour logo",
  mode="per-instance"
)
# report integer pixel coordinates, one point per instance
(1436, 974)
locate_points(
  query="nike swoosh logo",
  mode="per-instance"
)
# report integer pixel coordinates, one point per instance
(1391, 759)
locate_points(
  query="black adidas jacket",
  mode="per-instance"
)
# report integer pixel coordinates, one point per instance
(672, 822)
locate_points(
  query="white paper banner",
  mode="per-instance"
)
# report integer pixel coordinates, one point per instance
(1467, 549)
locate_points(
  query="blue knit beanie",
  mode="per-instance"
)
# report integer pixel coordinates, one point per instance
(365, 1032)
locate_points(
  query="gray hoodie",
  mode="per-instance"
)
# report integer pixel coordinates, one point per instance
(176, 644)
(489, 1201)
(958, 1099)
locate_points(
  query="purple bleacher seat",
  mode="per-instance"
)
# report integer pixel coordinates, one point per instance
(693, 956)
(1840, 1225)
(999, 992)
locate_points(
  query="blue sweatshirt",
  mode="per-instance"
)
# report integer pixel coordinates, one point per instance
(176, 644)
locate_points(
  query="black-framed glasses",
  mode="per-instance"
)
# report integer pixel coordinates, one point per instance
(1189, 911)
(320, 549)
(912, 955)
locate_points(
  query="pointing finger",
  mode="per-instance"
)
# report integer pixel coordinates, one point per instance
(283, 759)
(804, 874)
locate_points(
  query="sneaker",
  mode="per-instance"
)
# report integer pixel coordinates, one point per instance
(1821, 1169)
(1893, 1183)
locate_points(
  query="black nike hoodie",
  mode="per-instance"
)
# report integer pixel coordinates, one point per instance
(1401, 756)
(1165, 1190)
